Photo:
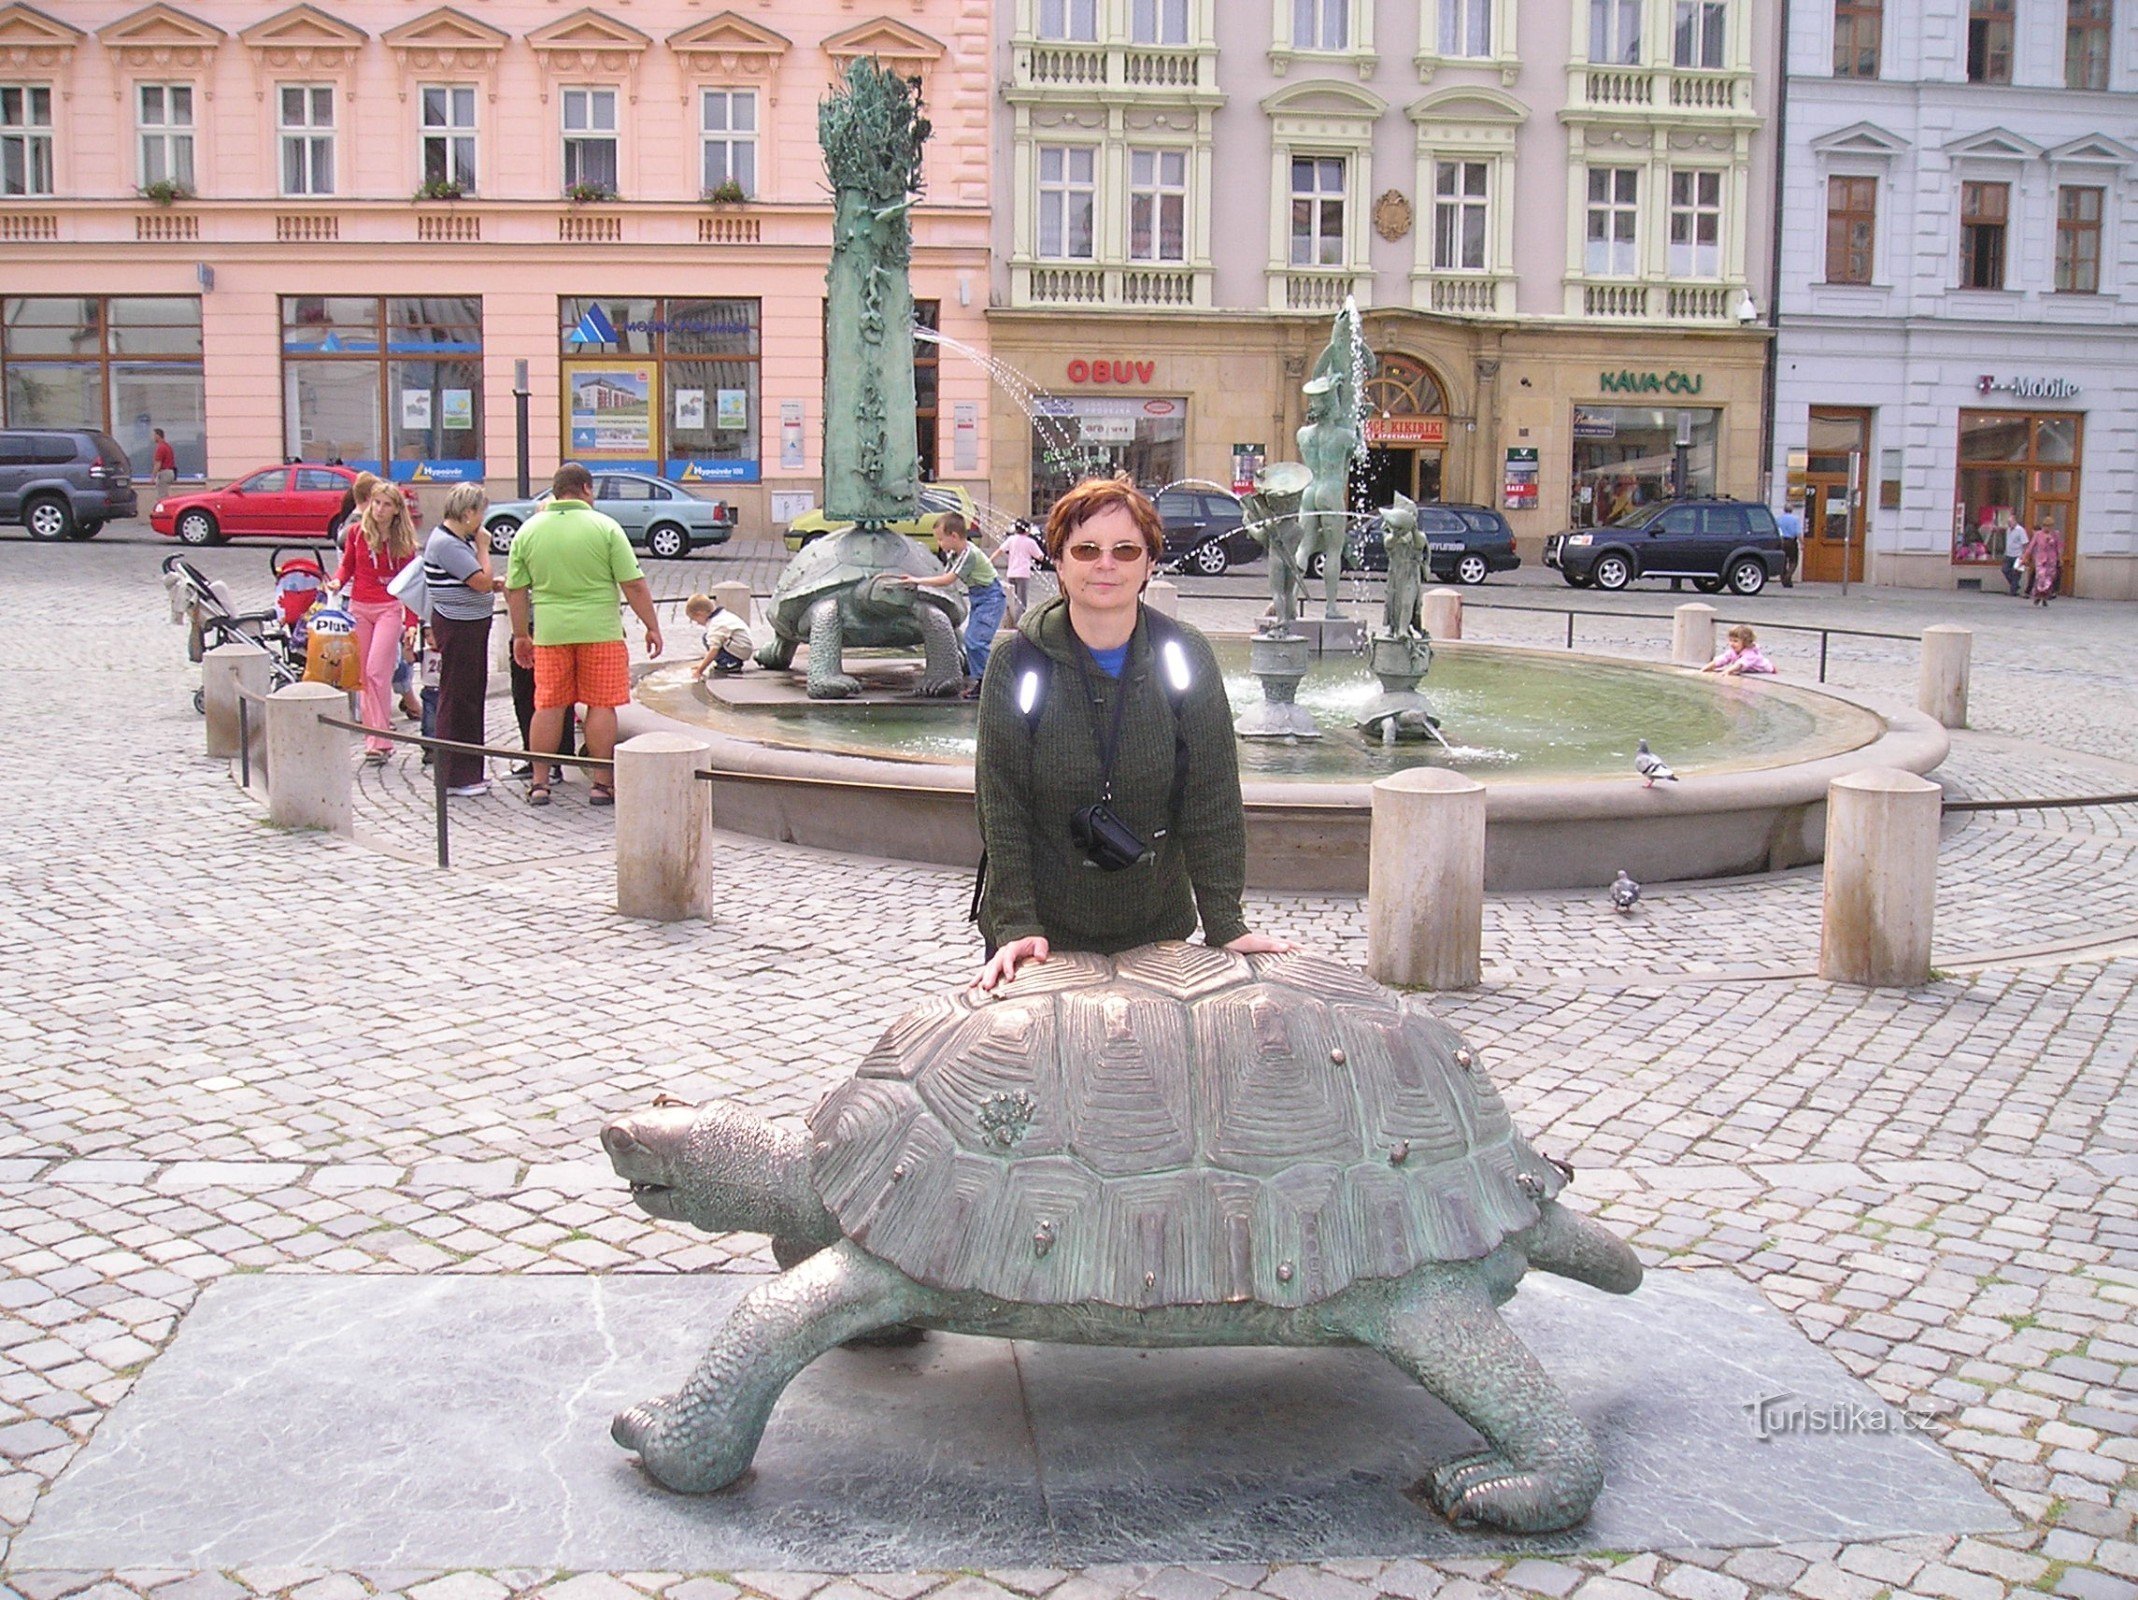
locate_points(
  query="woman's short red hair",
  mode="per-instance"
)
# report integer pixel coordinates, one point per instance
(1095, 495)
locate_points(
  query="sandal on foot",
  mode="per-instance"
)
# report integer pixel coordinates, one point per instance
(538, 794)
(604, 795)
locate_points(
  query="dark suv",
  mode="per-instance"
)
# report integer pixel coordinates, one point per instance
(1463, 544)
(1712, 542)
(63, 483)
(1204, 532)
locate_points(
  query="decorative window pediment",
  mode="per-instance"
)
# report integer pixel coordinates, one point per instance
(730, 45)
(29, 38)
(1993, 144)
(304, 39)
(2093, 150)
(446, 40)
(588, 42)
(1468, 107)
(159, 37)
(1860, 139)
(904, 50)
(1325, 97)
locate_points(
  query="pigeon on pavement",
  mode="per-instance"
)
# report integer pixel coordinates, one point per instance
(1651, 766)
(1624, 892)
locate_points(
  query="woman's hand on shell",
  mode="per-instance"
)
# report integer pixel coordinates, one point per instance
(1004, 964)
(1259, 944)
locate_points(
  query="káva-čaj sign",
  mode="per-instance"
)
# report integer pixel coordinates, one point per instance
(1649, 382)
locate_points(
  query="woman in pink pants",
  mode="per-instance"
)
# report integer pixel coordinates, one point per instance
(380, 543)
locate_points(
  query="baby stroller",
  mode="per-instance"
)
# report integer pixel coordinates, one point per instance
(204, 607)
(299, 580)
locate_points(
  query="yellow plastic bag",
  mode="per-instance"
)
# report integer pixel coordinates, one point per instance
(332, 658)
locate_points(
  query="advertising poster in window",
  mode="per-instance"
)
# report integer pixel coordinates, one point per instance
(690, 410)
(731, 410)
(611, 411)
(1519, 490)
(459, 408)
(1247, 460)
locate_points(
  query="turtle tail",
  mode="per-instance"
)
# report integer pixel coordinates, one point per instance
(1573, 1246)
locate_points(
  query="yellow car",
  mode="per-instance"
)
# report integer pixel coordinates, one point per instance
(936, 497)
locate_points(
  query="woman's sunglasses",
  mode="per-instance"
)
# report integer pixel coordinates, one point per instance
(1124, 554)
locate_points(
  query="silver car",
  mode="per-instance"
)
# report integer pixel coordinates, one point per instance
(663, 518)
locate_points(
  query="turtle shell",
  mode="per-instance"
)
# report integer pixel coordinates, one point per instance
(843, 558)
(1177, 1125)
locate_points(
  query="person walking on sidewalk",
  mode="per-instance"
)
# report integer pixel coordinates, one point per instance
(568, 565)
(1791, 523)
(380, 543)
(456, 570)
(166, 463)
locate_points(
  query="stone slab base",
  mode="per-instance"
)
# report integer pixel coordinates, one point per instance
(366, 1423)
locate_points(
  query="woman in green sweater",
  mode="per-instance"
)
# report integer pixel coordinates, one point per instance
(1098, 708)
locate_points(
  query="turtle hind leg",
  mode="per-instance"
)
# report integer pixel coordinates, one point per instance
(703, 1436)
(1540, 1471)
(827, 677)
(943, 671)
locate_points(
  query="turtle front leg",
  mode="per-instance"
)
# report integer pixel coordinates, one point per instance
(703, 1436)
(1541, 1471)
(944, 670)
(826, 645)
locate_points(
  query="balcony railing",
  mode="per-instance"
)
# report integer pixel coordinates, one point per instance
(1464, 294)
(1615, 302)
(1683, 90)
(1306, 289)
(1100, 285)
(451, 227)
(1712, 304)
(166, 227)
(1128, 68)
(22, 227)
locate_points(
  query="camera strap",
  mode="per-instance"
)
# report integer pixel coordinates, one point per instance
(1105, 744)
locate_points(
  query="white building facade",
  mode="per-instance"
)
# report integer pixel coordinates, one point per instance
(1958, 288)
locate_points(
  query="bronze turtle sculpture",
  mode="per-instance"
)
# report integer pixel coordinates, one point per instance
(1174, 1147)
(837, 592)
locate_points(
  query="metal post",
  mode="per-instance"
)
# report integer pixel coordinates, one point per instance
(244, 743)
(1855, 510)
(519, 411)
(438, 797)
(1823, 637)
(1570, 630)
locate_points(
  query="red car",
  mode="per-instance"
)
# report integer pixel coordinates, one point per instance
(294, 501)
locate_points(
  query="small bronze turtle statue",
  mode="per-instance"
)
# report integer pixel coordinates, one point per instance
(1174, 1147)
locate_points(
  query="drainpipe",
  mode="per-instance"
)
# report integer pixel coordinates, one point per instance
(1772, 376)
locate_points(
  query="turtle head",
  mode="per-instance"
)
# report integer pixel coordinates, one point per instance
(719, 1169)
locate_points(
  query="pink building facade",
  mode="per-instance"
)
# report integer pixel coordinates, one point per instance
(334, 232)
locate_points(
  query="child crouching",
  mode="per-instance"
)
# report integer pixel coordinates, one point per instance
(1743, 656)
(726, 636)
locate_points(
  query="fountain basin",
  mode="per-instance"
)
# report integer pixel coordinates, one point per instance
(1563, 808)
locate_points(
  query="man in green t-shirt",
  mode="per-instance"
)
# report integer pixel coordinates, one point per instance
(568, 564)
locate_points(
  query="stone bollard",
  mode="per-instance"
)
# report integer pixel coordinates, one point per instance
(1881, 878)
(500, 637)
(1163, 597)
(1443, 614)
(224, 671)
(1425, 880)
(664, 828)
(1941, 685)
(1692, 635)
(309, 776)
(735, 597)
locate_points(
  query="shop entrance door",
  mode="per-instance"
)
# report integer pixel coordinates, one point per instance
(1391, 470)
(2046, 507)
(1833, 526)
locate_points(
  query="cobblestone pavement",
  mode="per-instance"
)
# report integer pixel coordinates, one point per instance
(232, 1049)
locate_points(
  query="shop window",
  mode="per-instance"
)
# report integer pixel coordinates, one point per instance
(1158, 22)
(1321, 24)
(125, 363)
(391, 385)
(1699, 33)
(1068, 201)
(2017, 471)
(2078, 240)
(1073, 20)
(1460, 192)
(1614, 223)
(25, 138)
(1075, 437)
(1984, 208)
(927, 386)
(1856, 31)
(2089, 31)
(1615, 32)
(305, 127)
(1989, 41)
(1851, 225)
(1317, 211)
(449, 135)
(1158, 205)
(1696, 224)
(590, 158)
(1465, 28)
(163, 118)
(1624, 457)
(728, 134)
(667, 386)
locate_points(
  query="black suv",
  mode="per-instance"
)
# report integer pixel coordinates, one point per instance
(1204, 532)
(63, 483)
(1463, 544)
(1712, 542)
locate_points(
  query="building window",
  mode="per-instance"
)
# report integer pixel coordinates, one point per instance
(1075, 437)
(1068, 201)
(1614, 219)
(25, 138)
(1851, 220)
(2078, 240)
(1615, 32)
(1158, 22)
(1459, 210)
(1321, 24)
(1695, 225)
(1698, 37)
(663, 386)
(124, 364)
(306, 127)
(728, 126)
(2088, 29)
(1466, 27)
(1984, 208)
(1856, 30)
(449, 135)
(590, 138)
(393, 386)
(163, 114)
(1069, 19)
(927, 386)
(1317, 211)
(2016, 470)
(1158, 205)
(1989, 41)
(1624, 457)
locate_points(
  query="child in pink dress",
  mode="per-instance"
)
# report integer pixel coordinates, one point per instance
(1743, 656)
